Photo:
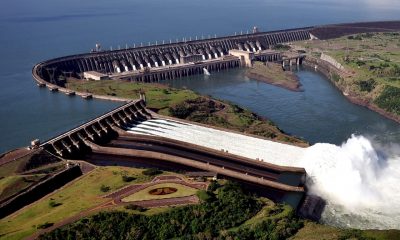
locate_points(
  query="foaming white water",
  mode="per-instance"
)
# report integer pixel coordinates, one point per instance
(361, 187)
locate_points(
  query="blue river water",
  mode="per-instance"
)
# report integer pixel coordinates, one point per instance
(319, 113)
(32, 31)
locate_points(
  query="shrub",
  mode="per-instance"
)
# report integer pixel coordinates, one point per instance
(335, 77)
(203, 195)
(181, 110)
(360, 63)
(358, 37)
(151, 172)
(128, 178)
(389, 99)
(135, 207)
(214, 185)
(53, 203)
(367, 85)
(104, 188)
(45, 225)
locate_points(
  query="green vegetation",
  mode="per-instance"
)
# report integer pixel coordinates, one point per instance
(273, 73)
(214, 185)
(14, 184)
(151, 172)
(368, 85)
(186, 104)
(135, 207)
(372, 63)
(281, 47)
(127, 178)
(225, 212)
(104, 188)
(335, 77)
(158, 96)
(182, 191)
(389, 99)
(45, 225)
(22, 173)
(315, 231)
(222, 217)
(75, 197)
(204, 196)
(28, 163)
(53, 203)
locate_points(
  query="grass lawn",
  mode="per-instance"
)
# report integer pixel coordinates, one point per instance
(13, 184)
(11, 168)
(314, 231)
(74, 198)
(158, 96)
(144, 194)
(26, 171)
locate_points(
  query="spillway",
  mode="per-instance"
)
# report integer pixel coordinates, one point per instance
(234, 143)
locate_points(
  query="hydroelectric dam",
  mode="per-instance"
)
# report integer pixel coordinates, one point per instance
(188, 57)
(135, 136)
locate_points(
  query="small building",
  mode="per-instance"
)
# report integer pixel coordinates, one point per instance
(93, 75)
(193, 58)
(245, 57)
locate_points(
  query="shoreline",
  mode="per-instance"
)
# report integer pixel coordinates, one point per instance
(326, 69)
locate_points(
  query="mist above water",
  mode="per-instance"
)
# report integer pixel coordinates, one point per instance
(359, 181)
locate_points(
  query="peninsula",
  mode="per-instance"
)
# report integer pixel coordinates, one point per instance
(274, 74)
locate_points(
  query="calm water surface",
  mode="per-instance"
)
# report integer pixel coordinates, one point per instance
(320, 113)
(32, 31)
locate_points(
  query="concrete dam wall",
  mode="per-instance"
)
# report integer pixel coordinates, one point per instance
(212, 54)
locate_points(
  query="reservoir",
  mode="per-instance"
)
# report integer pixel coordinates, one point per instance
(33, 31)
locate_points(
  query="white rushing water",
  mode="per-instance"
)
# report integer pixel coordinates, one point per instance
(361, 184)
(238, 144)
